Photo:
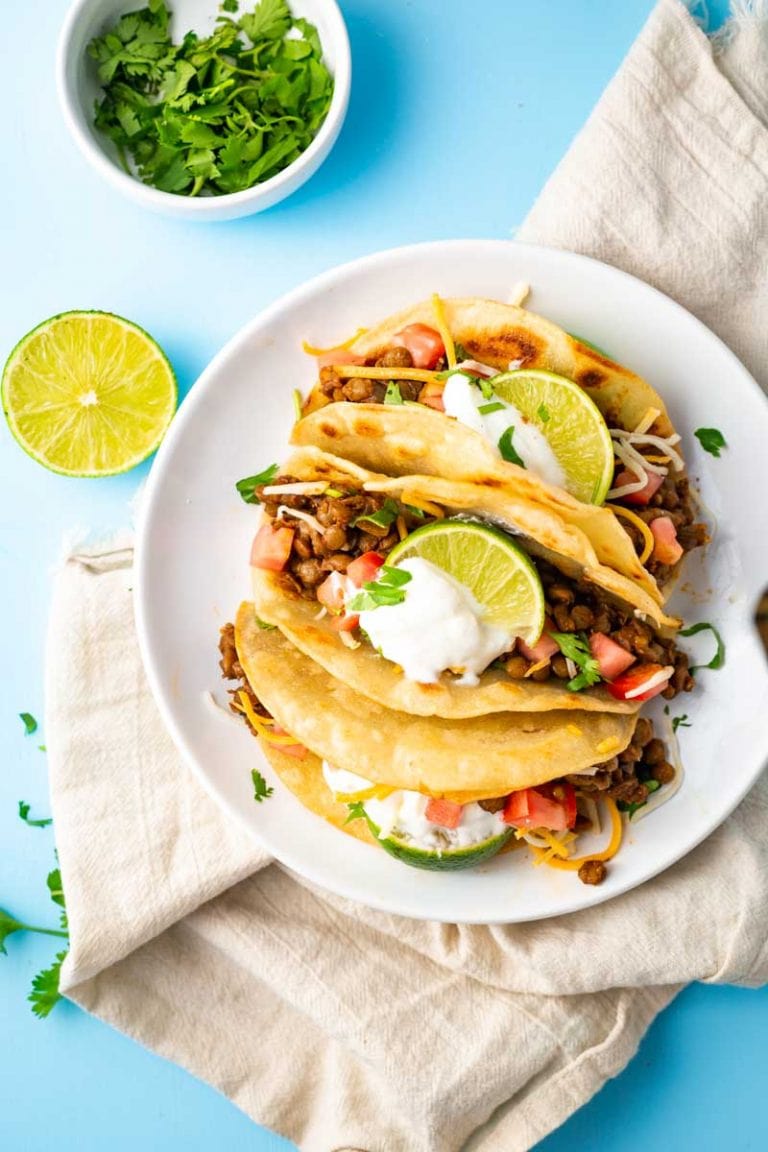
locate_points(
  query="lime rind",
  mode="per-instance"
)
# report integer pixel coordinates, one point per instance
(150, 419)
(448, 860)
(575, 428)
(485, 560)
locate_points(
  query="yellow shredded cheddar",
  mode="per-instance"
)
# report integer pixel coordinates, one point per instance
(647, 421)
(423, 505)
(573, 729)
(641, 527)
(375, 792)
(347, 371)
(535, 667)
(442, 327)
(402, 531)
(607, 745)
(260, 724)
(573, 864)
(657, 459)
(311, 350)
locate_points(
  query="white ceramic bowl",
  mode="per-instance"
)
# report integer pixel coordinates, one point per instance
(79, 88)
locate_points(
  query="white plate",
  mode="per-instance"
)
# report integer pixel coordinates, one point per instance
(196, 532)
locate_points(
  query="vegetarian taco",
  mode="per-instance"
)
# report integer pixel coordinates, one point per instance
(442, 793)
(450, 599)
(490, 393)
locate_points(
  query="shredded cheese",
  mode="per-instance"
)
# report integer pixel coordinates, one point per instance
(301, 488)
(423, 505)
(375, 792)
(608, 745)
(260, 725)
(573, 729)
(402, 531)
(283, 511)
(520, 292)
(641, 526)
(647, 421)
(610, 850)
(348, 640)
(347, 371)
(442, 327)
(535, 667)
(311, 350)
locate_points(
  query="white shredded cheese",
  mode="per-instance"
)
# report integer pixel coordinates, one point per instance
(300, 488)
(313, 522)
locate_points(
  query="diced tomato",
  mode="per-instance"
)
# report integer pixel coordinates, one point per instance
(363, 569)
(446, 813)
(435, 402)
(611, 658)
(338, 356)
(333, 592)
(344, 623)
(271, 547)
(298, 751)
(530, 808)
(564, 794)
(544, 647)
(641, 683)
(666, 548)
(424, 344)
(643, 495)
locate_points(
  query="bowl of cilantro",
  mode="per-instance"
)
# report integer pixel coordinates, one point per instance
(205, 112)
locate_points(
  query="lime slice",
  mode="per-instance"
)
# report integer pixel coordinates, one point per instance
(572, 424)
(498, 573)
(449, 860)
(88, 394)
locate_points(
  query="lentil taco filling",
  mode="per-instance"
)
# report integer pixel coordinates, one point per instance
(568, 803)
(326, 532)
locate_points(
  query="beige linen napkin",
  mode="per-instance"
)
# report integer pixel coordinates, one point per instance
(337, 1026)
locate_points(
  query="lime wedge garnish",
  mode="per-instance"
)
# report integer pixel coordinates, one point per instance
(571, 422)
(498, 573)
(88, 394)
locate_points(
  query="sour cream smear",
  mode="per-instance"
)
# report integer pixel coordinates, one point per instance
(463, 400)
(436, 628)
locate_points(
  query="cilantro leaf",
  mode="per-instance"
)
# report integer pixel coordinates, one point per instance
(45, 993)
(681, 722)
(419, 513)
(393, 395)
(8, 925)
(630, 809)
(247, 487)
(718, 659)
(385, 591)
(711, 440)
(383, 518)
(270, 20)
(356, 812)
(24, 815)
(29, 722)
(507, 448)
(55, 888)
(261, 790)
(229, 5)
(575, 646)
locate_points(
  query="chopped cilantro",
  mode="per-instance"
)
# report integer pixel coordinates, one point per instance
(42, 748)
(485, 386)
(494, 406)
(247, 487)
(356, 812)
(261, 790)
(507, 448)
(24, 815)
(385, 591)
(393, 395)
(45, 993)
(45, 986)
(718, 659)
(575, 646)
(543, 413)
(214, 114)
(385, 516)
(681, 722)
(711, 440)
(29, 722)
(630, 809)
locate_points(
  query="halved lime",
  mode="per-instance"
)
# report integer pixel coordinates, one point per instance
(88, 394)
(572, 424)
(447, 860)
(497, 572)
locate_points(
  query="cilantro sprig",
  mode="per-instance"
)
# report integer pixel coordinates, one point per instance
(247, 487)
(45, 994)
(575, 646)
(711, 440)
(385, 591)
(718, 659)
(261, 790)
(216, 114)
(24, 810)
(383, 518)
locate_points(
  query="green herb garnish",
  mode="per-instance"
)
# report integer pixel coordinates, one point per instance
(718, 659)
(630, 809)
(419, 513)
(356, 812)
(460, 352)
(494, 406)
(261, 790)
(393, 395)
(29, 722)
(385, 591)
(575, 646)
(543, 413)
(711, 440)
(45, 993)
(247, 487)
(45, 986)
(680, 722)
(383, 518)
(24, 809)
(507, 448)
(214, 114)
(485, 386)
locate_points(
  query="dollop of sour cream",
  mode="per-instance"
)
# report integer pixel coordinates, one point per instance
(463, 399)
(403, 813)
(436, 628)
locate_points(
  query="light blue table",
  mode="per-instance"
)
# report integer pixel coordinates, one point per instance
(454, 125)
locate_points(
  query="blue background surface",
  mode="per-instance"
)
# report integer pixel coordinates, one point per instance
(454, 125)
